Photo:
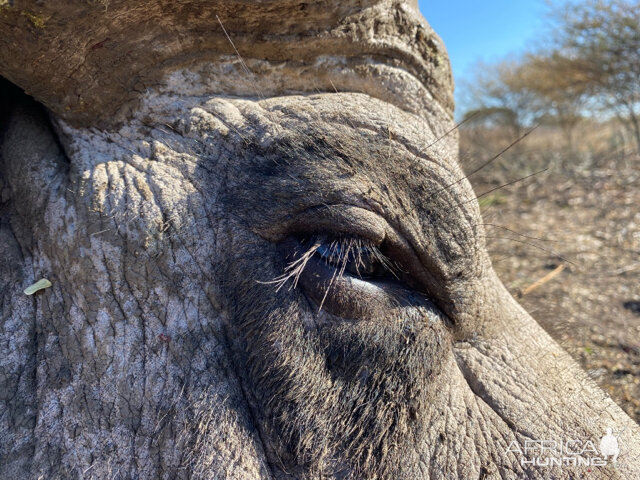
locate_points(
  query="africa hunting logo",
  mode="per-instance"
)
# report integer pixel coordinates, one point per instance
(567, 452)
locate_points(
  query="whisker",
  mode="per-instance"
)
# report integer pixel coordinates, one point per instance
(491, 160)
(504, 150)
(244, 65)
(456, 126)
(518, 233)
(252, 76)
(551, 252)
(506, 185)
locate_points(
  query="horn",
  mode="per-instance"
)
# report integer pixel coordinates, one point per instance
(91, 61)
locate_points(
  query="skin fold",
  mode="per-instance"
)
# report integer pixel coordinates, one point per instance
(167, 346)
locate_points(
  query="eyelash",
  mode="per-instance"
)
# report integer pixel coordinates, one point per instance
(356, 256)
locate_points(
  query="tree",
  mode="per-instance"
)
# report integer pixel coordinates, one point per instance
(497, 96)
(599, 41)
(519, 93)
(557, 89)
(591, 66)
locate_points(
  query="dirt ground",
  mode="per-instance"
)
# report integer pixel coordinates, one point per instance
(580, 219)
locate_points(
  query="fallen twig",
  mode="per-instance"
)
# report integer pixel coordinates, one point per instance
(549, 276)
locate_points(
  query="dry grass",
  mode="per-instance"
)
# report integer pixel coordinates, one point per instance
(583, 213)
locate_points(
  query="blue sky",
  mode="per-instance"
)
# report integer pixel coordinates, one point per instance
(487, 30)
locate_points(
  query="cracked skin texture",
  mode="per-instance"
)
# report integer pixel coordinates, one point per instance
(160, 351)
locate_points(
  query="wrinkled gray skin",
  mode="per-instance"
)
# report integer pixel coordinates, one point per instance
(162, 350)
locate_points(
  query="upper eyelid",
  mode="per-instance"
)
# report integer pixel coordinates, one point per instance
(335, 220)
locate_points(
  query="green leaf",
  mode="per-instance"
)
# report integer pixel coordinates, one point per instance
(39, 285)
